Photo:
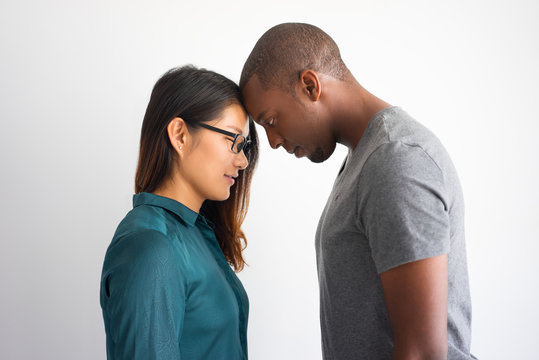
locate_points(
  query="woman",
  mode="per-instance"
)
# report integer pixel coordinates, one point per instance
(167, 287)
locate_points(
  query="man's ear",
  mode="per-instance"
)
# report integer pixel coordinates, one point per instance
(178, 134)
(310, 84)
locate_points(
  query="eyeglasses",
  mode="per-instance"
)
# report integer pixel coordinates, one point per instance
(240, 142)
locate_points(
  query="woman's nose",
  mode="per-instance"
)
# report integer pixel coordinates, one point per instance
(241, 160)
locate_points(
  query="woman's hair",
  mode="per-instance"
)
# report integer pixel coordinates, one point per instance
(196, 95)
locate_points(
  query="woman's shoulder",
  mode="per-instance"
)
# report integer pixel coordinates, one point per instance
(143, 231)
(142, 244)
(144, 218)
(140, 259)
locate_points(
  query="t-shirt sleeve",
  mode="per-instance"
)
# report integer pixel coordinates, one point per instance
(402, 206)
(144, 292)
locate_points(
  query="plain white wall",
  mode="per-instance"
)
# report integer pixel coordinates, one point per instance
(75, 78)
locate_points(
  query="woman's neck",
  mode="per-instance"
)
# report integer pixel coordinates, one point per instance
(176, 189)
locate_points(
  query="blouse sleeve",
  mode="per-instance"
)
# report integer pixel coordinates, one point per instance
(143, 297)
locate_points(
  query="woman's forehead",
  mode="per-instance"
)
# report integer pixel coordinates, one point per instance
(234, 118)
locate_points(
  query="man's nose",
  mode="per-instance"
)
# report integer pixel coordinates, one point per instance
(274, 139)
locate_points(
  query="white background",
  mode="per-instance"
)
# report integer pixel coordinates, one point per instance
(75, 79)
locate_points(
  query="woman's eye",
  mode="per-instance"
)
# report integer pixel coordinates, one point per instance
(271, 122)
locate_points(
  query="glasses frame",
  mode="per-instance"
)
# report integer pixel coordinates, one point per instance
(247, 142)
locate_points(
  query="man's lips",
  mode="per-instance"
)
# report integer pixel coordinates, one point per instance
(297, 151)
(291, 151)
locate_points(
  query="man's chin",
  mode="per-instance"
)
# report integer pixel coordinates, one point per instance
(318, 156)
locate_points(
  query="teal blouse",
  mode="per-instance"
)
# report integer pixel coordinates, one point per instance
(167, 291)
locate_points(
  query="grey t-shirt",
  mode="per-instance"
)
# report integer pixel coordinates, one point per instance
(397, 199)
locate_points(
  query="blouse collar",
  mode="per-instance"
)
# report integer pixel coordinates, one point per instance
(183, 212)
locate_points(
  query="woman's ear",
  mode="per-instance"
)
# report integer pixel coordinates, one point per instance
(178, 134)
(310, 84)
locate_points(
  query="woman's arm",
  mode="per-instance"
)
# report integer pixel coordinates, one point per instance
(143, 294)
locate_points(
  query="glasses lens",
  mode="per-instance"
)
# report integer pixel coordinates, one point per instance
(241, 144)
(246, 146)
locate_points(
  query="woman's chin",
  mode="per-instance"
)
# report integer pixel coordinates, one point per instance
(221, 196)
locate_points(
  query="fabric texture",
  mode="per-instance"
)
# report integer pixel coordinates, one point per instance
(397, 199)
(167, 291)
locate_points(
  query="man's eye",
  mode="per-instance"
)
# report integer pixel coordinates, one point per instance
(271, 122)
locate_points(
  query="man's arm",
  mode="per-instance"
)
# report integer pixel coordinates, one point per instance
(416, 300)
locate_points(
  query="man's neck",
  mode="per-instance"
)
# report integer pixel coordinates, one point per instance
(352, 109)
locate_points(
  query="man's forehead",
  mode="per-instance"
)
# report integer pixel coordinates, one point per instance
(253, 95)
(253, 87)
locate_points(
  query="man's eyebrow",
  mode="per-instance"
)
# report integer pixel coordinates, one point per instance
(260, 117)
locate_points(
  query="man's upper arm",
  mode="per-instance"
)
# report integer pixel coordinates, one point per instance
(403, 210)
(403, 206)
(416, 299)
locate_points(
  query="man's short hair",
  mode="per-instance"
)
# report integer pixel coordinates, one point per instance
(285, 50)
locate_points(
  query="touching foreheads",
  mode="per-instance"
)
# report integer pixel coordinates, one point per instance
(285, 50)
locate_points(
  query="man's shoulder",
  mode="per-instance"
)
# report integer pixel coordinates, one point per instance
(401, 142)
(401, 126)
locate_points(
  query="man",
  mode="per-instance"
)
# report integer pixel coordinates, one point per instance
(390, 244)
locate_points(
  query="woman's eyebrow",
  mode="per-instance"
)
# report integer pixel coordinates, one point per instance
(236, 129)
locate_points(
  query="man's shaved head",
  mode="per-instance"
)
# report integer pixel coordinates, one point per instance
(285, 50)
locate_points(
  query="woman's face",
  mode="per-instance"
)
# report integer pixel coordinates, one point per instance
(210, 167)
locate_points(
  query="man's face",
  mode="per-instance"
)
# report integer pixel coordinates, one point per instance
(290, 122)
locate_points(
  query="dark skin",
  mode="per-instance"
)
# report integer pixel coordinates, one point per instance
(337, 111)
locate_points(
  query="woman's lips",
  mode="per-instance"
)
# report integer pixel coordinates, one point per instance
(231, 179)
